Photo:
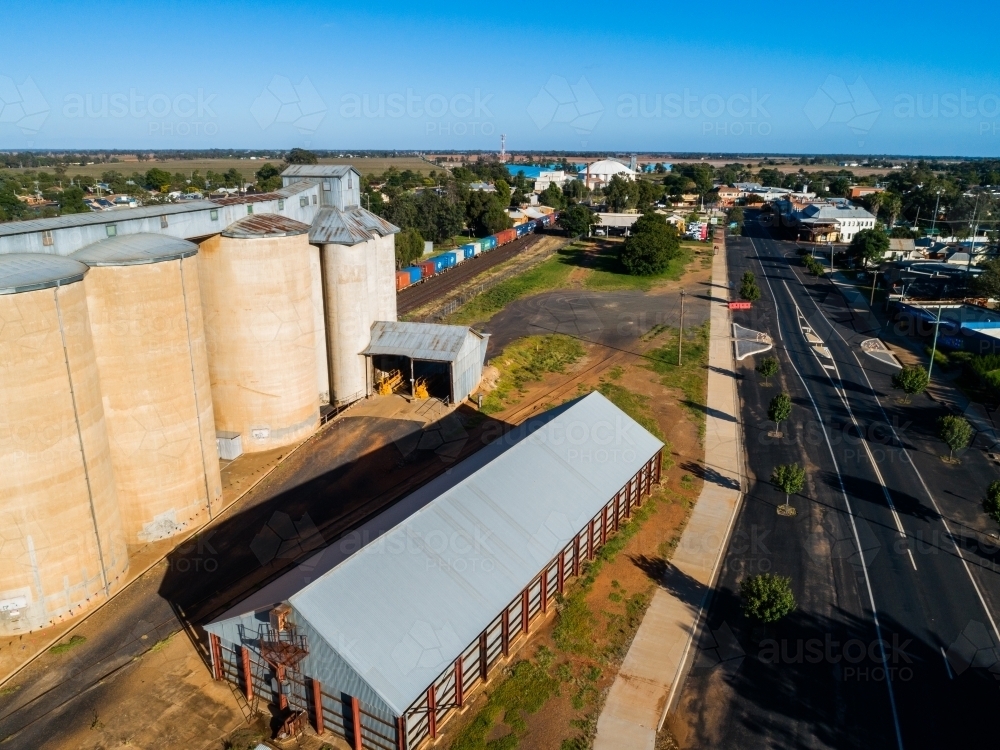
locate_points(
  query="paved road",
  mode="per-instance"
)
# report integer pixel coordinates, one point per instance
(893, 643)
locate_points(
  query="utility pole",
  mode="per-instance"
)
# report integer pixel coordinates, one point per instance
(871, 302)
(831, 257)
(937, 326)
(972, 244)
(680, 336)
(937, 201)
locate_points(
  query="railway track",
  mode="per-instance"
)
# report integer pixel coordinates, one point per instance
(418, 295)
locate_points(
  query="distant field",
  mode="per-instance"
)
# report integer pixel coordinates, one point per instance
(245, 166)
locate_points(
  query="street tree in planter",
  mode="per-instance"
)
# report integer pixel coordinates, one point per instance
(790, 479)
(910, 380)
(748, 287)
(768, 368)
(767, 597)
(991, 503)
(779, 410)
(956, 432)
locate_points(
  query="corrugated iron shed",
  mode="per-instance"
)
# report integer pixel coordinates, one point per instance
(102, 217)
(352, 226)
(135, 250)
(384, 621)
(264, 225)
(426, 341)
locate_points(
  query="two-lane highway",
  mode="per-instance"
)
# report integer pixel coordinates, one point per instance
(878, 652)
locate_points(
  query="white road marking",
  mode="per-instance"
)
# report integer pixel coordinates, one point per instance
(947, 666)
(912, 561)
(850, 514)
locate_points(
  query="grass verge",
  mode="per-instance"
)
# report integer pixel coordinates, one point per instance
(690, 377)
(550, 274)
(62, 648)
(527, 360)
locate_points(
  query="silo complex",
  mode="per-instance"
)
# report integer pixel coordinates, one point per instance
(360, 289)
(145, 311)
(63, 546)
(260, 324)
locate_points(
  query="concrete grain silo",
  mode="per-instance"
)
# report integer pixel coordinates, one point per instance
(257, 291)
(62, 546)
(359, 271)
(145, 311)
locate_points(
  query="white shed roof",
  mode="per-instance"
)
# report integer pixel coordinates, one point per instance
(410, 601)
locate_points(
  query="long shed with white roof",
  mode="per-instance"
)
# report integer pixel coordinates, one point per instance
(382, 635)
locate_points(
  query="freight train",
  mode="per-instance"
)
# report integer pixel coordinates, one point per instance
(436, 264)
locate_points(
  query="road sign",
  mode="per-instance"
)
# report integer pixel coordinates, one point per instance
(739, 305)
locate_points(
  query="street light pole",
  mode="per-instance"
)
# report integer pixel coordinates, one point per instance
(934, 218)
(937, 327)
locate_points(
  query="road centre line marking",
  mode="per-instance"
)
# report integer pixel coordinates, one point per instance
(912, 561)
(947, 666)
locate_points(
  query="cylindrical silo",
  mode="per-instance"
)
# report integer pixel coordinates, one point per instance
(145, 312)
(260, 324)
(360, 289)
(63, 548)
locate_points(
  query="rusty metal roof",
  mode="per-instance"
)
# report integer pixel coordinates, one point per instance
(134, 250)
(426, 341)
(265, 225)
(349, 227)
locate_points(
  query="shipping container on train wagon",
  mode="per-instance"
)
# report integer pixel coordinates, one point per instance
(488, 243)
(522, 229)
(427, 268)
(441, 263)
(458, 255)
(468, 251)
(505, 236)
(402, 280)
(414, 272)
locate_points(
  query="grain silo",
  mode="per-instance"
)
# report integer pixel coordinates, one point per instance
(63, 548)
(359, 264)
(260, 324)
(145, 312)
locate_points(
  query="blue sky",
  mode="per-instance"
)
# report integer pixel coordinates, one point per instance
(882, 78)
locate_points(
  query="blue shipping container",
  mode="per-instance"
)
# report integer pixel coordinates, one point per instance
(414, 273)
(457, 256)
(489, 242)
(468, 251)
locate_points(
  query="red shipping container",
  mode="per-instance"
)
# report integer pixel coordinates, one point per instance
(507, 235)
(402, 280)
(426, 268)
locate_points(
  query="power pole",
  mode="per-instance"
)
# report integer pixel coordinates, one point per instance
(934, 218)
(680, 337)
(937, 326)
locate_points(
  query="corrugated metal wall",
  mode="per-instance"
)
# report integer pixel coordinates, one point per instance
(467, 369)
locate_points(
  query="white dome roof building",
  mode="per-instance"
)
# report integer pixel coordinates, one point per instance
(599, 173)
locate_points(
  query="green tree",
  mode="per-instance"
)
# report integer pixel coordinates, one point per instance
(577, 220)
(991, 503)
(767, 597)
(956, 432)
(987, 283)
(652, 244)
(779, 410)
(910, 380)
(790, 479)
(768, 368)
(494, 219)
(620, 194)
(503, 192)
(268, 178)
(155, 179)
(748, 287)
(552, 196)
(71, 201)
(409, 247)
(301, 156)
(868, 246)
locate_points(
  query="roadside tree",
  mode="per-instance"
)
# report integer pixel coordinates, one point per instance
(651, 246)
(991, 503)
(768, 368)
(869, 246)
(956, 432)
(409, 247)
(910, 380)
(767, 597)
(790, 479)
(748, 287)
(779, 410)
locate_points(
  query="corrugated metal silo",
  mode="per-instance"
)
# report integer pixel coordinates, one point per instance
(145, 311)
(260, 324)
(63, 548)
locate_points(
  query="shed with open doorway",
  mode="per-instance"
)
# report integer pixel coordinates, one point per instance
(449, 359)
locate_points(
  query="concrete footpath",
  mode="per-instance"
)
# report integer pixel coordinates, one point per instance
(647, 683)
